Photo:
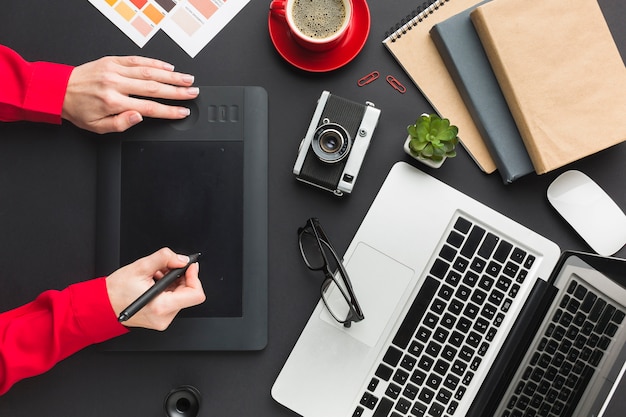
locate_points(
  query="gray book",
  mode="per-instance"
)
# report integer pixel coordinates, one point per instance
(463, 54)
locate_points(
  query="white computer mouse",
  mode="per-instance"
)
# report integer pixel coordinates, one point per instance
(590, 211)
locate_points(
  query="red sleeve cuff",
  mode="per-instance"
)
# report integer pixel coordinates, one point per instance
(46, 92)
(93, 311)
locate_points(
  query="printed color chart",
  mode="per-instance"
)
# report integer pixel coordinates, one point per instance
(190, 23)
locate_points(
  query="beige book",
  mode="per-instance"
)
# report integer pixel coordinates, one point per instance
(415, 51)
(561, 74)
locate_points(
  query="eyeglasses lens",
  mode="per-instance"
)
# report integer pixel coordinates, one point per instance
(335, 296)
(311, 251)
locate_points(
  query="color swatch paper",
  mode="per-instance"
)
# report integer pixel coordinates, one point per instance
(190, 23)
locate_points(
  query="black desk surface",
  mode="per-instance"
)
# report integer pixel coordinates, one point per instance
(47, 201)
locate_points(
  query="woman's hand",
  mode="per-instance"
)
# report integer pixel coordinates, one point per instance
(113, 93)
(126, 285)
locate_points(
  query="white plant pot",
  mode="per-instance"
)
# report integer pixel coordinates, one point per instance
(425, 161)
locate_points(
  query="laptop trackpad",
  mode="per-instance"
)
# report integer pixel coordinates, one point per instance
(379, 282)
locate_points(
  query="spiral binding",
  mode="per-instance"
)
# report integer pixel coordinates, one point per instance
(412, 19)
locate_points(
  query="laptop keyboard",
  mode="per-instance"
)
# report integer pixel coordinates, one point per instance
(448, 329)
(580, 332)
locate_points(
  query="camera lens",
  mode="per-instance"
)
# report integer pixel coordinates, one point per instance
(331, 142)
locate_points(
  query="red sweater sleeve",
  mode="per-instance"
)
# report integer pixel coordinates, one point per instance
(34, 337)
(31, 91)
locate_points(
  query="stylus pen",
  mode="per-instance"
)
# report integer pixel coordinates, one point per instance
(156, 289)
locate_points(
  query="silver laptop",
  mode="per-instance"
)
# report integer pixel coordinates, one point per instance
(466, 313)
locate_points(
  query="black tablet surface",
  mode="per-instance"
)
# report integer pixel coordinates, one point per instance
(195, 185)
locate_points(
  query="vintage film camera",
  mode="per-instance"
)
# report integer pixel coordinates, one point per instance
(331, 153)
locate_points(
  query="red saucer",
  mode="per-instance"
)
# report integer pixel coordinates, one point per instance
(329, 60)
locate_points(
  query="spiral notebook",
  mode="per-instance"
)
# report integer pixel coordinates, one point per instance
(411, 45)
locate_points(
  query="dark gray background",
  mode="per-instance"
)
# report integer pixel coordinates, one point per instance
(47, 200)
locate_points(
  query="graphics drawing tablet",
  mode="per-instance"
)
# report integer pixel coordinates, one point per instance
(194, 185)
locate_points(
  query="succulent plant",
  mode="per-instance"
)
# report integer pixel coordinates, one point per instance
(433, 137)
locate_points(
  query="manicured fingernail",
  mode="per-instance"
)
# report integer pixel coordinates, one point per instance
(193, 91)
(135, 118)
(168, 67)
(184, 112)
(188, 78)
(183, 258)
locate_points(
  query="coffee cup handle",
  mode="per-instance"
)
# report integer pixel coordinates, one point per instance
(277, 7)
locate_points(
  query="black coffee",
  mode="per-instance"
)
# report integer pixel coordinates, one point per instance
(319, 19)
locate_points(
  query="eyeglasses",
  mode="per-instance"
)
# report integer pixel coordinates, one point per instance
(336, 291)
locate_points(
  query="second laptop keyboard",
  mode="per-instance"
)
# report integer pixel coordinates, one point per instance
(581, 330)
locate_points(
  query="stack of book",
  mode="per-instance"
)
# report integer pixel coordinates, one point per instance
(542, 83)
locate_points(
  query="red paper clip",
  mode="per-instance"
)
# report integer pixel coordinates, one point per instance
(368, 78)
(396, 84)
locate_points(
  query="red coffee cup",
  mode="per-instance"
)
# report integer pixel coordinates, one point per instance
(318, 25)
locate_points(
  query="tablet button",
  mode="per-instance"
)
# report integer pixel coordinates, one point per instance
(223, 113)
